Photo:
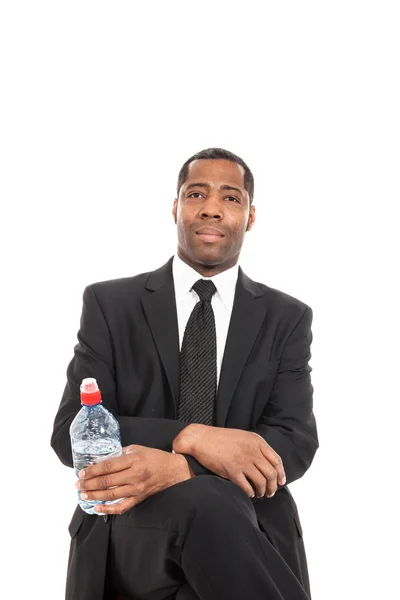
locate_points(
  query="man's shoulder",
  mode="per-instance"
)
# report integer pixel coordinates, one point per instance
(121, 283)
(283, 298)
(119, 288)
(280, 300)
(132, 284)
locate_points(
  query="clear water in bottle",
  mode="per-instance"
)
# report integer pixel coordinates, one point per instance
(84, 456)
(95, 436)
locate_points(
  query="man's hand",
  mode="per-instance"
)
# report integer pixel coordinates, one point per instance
(234, 454)
(139, 473)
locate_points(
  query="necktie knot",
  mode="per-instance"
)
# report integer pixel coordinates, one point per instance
(205, 289)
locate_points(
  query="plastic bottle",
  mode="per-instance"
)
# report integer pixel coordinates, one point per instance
(95, 436)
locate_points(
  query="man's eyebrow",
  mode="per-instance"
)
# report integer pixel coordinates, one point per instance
(191, 185)
(223, 187)
(230, 187)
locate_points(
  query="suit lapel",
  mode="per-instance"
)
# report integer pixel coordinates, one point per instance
(160, 309)
(247, 317)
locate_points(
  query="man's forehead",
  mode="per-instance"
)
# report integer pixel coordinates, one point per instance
(210, 170)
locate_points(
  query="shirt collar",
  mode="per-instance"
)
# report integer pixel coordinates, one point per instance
(185, 277)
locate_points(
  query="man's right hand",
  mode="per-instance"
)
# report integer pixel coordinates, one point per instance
(234, 454)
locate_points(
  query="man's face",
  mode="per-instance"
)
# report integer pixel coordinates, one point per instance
(212, 213)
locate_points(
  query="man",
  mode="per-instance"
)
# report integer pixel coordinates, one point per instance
(207, 372)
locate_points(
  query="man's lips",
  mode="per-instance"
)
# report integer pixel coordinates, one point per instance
(209, 234)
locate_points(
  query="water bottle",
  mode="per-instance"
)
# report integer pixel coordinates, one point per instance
(94, 435)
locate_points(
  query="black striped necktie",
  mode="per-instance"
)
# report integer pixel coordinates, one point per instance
(198, 360)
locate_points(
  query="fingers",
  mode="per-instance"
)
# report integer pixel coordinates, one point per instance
(105, 467)
(270, 477)
(120, 508)
(263, 481)
(103, 482)
(109, 495)
(242, 482)
(275, 460)
(258, 480)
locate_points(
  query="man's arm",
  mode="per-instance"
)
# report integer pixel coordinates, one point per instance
(93, 357)
(288, 423)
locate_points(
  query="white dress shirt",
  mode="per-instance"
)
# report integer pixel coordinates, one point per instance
(222, 301)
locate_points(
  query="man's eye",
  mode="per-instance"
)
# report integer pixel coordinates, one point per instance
(194, 194)
(233, 198)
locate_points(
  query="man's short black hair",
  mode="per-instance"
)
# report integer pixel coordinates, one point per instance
(210, 153)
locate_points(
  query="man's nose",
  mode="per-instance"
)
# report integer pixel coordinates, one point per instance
(211, 208)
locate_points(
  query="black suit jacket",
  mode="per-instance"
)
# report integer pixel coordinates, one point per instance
(128, 340)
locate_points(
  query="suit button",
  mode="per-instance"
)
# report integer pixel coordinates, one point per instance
(106, 518)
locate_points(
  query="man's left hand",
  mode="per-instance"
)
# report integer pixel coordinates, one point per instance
(137, 474)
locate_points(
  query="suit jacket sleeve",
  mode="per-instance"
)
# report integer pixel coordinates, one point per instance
(93, 357)
(288, 423)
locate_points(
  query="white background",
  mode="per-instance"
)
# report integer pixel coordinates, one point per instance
(101, 103)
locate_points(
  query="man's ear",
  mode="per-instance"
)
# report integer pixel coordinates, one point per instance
(174, 209)
(252, 218)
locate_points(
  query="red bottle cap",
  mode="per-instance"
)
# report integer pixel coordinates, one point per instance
(90, 393)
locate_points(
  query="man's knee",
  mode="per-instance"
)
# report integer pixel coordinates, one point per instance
(211, 494)
(204, 486)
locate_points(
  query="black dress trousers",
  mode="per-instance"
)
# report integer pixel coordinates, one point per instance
(198, 539)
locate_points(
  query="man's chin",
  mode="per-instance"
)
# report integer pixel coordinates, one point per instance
(209, 258)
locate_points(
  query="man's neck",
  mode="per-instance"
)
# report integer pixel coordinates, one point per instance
(208, 270)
